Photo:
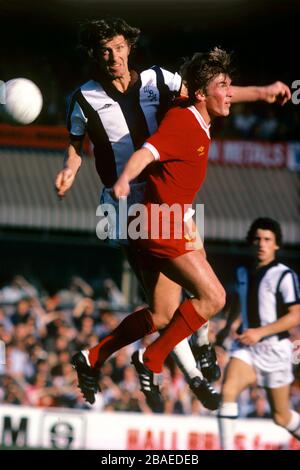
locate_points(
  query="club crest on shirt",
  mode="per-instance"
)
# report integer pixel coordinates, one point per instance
(150, 92)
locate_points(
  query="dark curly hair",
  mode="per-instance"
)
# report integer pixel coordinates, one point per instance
(198, 71)
(92, 32)
(265, 223)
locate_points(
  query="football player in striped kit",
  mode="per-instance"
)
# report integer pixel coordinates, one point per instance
(119, 108)
(269, 299)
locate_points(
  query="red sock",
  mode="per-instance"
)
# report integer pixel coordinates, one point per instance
(184, 322)
(133, 327)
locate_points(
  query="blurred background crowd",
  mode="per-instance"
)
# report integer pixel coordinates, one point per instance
(42, 331)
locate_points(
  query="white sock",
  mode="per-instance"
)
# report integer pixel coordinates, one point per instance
(294, 425)
(200, 337)
(227, 416)
(86, 355)
(185, 360)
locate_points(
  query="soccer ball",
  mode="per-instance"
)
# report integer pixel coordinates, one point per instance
(23, 100)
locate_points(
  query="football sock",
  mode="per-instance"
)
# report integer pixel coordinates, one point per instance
(133, 327)
(227, 416)
(184, 322)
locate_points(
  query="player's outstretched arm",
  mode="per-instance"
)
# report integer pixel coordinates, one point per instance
(277, 92)
(65, 178)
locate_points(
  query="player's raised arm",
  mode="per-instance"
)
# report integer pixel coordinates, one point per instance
(276, 92)
(65, 178)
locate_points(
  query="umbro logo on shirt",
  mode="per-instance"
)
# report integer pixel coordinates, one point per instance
(105, 106)
(201, 151)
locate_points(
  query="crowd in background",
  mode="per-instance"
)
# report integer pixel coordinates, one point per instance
(259, 121)
(42, 331)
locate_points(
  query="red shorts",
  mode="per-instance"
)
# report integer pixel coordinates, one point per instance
(153, 252)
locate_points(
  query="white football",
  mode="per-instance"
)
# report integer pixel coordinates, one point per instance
(23, 100)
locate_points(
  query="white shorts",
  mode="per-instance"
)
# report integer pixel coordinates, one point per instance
(271, 359)
(117, 226)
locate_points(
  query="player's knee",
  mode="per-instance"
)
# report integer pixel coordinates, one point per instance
(167, 317)
(220, 300)
(163, 319)
(215, 302)
(164, 314)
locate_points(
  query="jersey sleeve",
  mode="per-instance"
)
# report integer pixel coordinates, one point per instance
(289, 288)
(172, 80)
(76, 120)
(169, 142)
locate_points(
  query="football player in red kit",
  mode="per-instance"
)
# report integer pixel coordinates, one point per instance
(178, 151)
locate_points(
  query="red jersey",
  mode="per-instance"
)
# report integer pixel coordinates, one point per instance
(180, 147)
